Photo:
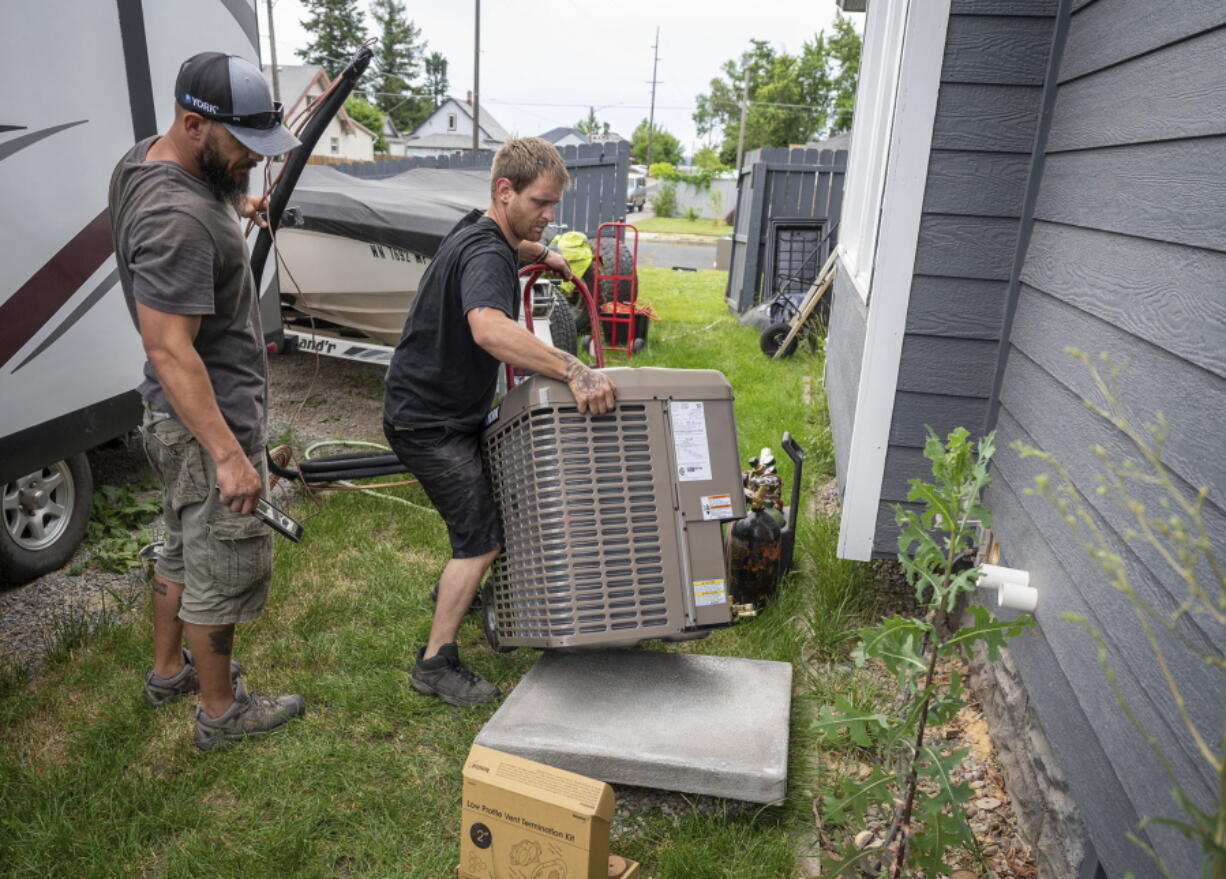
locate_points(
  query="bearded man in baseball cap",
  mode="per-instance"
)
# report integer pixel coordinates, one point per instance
(175, 203)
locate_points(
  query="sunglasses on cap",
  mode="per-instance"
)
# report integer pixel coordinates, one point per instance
(261, 121)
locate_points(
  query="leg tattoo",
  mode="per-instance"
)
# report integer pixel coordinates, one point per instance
(222, 641)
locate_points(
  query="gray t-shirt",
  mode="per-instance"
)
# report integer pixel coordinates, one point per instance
(180, 250)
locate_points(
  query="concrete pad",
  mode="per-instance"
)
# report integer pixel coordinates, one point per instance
(712, 725)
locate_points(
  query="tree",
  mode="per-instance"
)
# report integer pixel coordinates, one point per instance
(338, 31)
(591, 125)
(707, 159)
(664, 147)
(366, 113)
(397, 65)
(844, 49)
(436, 78)
(792, 99)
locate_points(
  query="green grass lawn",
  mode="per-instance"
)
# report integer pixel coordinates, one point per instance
(681, 226)
(95, 784)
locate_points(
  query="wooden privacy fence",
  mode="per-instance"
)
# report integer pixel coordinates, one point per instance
(599, 173)
(776, 188)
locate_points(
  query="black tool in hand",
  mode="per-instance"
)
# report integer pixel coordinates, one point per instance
(277, 521)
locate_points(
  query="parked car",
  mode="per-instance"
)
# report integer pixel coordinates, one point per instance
(636, 193)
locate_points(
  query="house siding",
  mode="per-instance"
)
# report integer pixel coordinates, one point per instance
(995, 57)
(1127, 255)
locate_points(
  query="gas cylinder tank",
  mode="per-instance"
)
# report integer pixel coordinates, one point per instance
(755, 545)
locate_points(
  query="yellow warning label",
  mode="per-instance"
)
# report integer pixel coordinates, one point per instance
(709, 592)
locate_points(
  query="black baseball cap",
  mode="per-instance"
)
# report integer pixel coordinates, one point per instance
(231, 90)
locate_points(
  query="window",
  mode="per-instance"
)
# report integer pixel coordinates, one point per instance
(451, 121)
(876, 97)
(336, 146)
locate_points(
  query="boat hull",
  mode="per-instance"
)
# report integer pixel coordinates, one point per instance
(358, 285)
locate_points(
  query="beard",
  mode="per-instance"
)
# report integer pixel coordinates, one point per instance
(227, 183)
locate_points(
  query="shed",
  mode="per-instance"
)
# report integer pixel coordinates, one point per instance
(788, 204)
(1027, 176)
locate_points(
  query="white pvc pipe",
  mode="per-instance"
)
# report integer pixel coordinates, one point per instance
(1012, 585)
(1018, 597)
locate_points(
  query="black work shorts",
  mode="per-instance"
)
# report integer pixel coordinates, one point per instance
(447, 463)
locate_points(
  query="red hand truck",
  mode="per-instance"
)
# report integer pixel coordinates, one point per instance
(531, 274)
(619, 314)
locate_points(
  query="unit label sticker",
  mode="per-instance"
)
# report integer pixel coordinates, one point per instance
(716, 506)
(709, 592)
(690, 441)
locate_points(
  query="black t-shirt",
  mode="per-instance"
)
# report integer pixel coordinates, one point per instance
(440, 376)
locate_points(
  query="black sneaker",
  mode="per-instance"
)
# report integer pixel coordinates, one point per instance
(476, 607)
(163, 691)
(252, 714)
(445, 676)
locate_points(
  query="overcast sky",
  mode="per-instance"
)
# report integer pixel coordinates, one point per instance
(544, 62)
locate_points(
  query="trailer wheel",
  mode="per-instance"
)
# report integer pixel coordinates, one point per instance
(45, 514)
(562, 325)
(773, 338)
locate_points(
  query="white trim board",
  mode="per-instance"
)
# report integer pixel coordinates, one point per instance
(889, 297)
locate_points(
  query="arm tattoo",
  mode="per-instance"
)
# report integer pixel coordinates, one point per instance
(222, 641)
(579, 376)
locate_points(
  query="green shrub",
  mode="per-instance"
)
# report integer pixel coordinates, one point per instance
(664, 202)
(662, 169)
(691, 214)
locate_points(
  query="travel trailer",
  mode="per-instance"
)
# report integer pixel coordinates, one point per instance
(89, 80)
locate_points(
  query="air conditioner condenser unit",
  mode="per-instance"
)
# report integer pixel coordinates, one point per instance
(612, 523)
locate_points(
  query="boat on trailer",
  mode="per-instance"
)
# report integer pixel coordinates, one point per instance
(352, 251)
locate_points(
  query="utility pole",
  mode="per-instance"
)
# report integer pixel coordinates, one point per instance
(477, 79)
(651, 120)
(740, 137)
(272, 56)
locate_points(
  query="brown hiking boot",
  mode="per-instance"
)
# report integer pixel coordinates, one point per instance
(445, 676)
(252, 714)
(163, 691)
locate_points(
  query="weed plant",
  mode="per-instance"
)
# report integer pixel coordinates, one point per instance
(117, 531)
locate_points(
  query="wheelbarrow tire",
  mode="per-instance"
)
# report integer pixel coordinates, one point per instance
(773, 337)
(562, 325)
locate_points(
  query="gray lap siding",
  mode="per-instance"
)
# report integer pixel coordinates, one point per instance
(1127, 256)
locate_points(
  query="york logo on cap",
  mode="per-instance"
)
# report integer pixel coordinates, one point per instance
(201, 105)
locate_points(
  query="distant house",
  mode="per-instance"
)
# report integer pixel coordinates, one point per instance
(344, 138)
(395, 139)
(1028, 176)
(449, 129)
(564, 136)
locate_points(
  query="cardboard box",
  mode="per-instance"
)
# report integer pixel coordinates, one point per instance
(623, 868)
(525, 820)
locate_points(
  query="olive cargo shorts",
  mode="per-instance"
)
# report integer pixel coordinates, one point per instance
(223, 559)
